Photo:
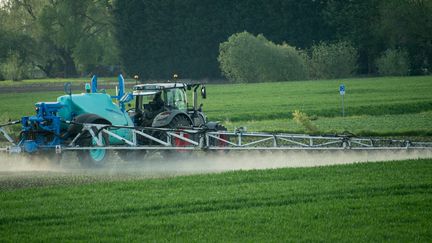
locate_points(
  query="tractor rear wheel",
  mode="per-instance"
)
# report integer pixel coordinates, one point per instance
(219, 143)
(178, 122)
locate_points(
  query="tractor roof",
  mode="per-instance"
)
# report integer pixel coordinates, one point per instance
(159, 86)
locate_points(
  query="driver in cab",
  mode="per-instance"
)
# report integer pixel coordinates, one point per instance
(157, 103)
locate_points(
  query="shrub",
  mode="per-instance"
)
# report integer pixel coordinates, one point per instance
(338, 60)
(304, 120)
(393, 62)
(248, 58)
(14, 69)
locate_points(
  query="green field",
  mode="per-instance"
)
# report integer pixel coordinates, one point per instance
(387, 201)
(374, 106)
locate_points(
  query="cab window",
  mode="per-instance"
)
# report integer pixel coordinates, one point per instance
(176, 98)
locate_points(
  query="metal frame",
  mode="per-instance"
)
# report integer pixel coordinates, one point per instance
(239, 140)
(6, 135)
(303, 141)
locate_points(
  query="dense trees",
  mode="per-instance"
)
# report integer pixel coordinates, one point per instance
(160, 37)
(156, 38)
(338, 60)
(407, 24)
(58, 38)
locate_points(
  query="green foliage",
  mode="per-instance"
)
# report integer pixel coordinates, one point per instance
(356, 22)
(334, 203)
(393, 63)
(338, 60)
(374, 26)
(158, 38)
(303, 119)
(246, 58)
(407, 24)
(61, 38)
(14, 68)
(186, 41)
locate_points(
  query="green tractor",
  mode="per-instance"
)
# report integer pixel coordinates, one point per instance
(157, 105)
(76, 121)
(166, 105)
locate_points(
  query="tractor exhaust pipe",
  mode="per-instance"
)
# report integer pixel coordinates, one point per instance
(195, 98)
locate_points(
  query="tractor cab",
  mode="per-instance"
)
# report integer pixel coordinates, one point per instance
(151, 96)
(153, 99)
(157, 104)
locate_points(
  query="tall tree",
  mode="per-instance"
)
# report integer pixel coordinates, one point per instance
(66, 36)
(356, 21)
(159, 37)
(407, 24)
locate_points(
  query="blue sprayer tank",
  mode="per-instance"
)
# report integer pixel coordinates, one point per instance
(48, 127)
(99, 104)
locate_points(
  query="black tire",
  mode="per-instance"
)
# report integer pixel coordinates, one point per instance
(218, 143)
(74, 129)
(178, 122)
(93, 158)
(199, 120)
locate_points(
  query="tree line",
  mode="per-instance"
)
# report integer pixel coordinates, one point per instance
(156, 38)
(56, 38)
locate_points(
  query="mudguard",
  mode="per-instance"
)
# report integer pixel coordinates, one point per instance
(85, 118)
(164, 118)
(212, 126)
(199, 119)
(93, 118)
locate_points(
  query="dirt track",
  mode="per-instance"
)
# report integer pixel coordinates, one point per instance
(47, 87)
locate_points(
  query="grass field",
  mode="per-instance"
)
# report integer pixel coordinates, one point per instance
(387, 201)
(374, 106)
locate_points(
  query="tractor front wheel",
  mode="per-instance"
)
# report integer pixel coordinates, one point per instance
(179, 122)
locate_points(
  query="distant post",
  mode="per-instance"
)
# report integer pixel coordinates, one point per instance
(342, 93)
